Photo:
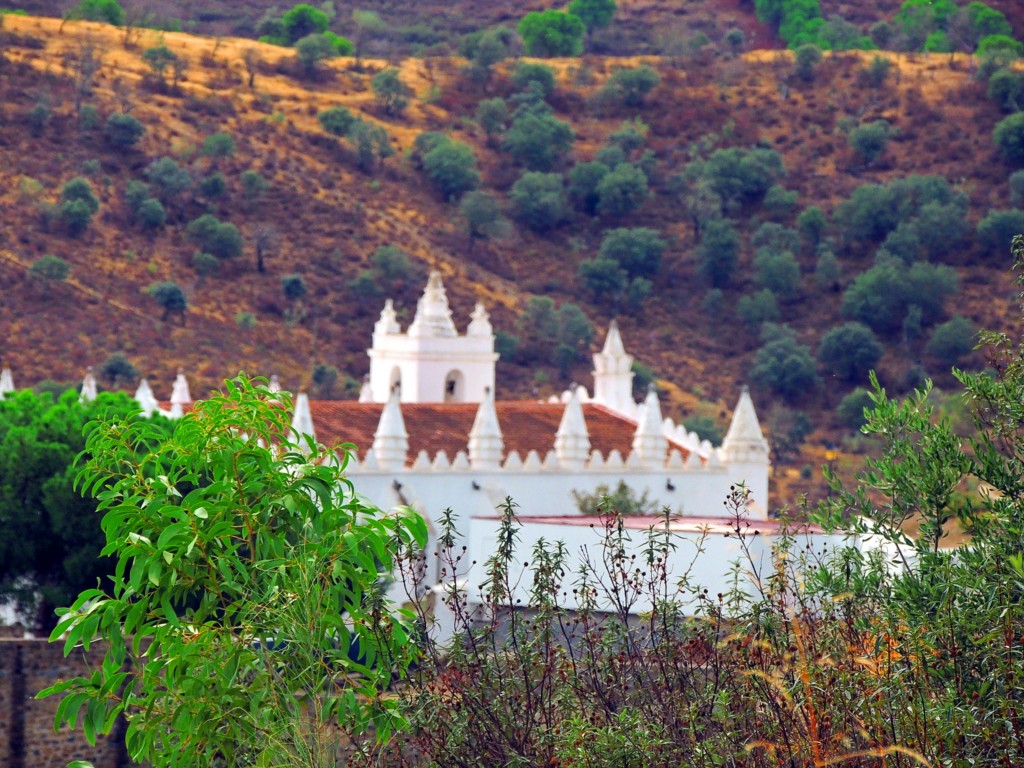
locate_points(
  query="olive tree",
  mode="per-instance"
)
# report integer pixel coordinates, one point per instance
(49, 268)
(168, 179)
(78, 204)
(628, 87)
(783, 365)
(486, 49)
(850, 351)
(312, 50)
(595, 14)
(336, 120)
(997, 230)
(807, 58)
(451, 167)
(952, 341)
(539, 201)
(122, 130)
(171, 298)
(481, 212)
(718, 252)
(552, 33)
(621, 191)
(1009, 138)
(538, 140)
(637, 250)
(303, 20)
(392, 94)
(869, 140)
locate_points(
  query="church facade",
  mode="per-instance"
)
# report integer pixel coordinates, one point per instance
(431, 431)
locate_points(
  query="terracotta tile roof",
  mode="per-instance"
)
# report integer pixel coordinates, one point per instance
(525, 426)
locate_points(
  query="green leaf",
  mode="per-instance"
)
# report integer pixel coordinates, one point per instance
(172, 617)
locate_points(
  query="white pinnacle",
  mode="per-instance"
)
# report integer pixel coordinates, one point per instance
(179, 392)
(88, 387)
(480, 322)
(613, 346)
(366, 392)
(744, 442)
(146, 399)
(572, 441)
(433, 315)
(391, 441)
(302, 420)
(649, 443)
(613, 374)
(6, 382)
(486, 445)
(388, 322)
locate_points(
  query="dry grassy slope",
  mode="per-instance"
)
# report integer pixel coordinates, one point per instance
(640, 26)
(331, 217)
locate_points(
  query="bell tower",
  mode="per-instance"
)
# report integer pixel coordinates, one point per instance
(431, 362)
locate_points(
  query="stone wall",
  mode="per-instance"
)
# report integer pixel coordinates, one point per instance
(27, 738)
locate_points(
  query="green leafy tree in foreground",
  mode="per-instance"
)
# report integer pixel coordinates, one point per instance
(246, 624)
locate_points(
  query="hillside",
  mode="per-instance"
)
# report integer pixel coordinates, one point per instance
(322, 218)
(434, 28)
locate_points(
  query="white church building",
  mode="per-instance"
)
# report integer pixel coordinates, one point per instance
(431, 431)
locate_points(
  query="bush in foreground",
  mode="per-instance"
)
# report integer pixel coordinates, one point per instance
(259, 583)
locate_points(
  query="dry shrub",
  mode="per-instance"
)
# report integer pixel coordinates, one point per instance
(891, 653)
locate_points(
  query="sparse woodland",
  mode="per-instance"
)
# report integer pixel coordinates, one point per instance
(749, 214)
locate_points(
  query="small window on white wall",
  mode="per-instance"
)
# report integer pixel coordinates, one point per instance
(396, 377)
(454, 387)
